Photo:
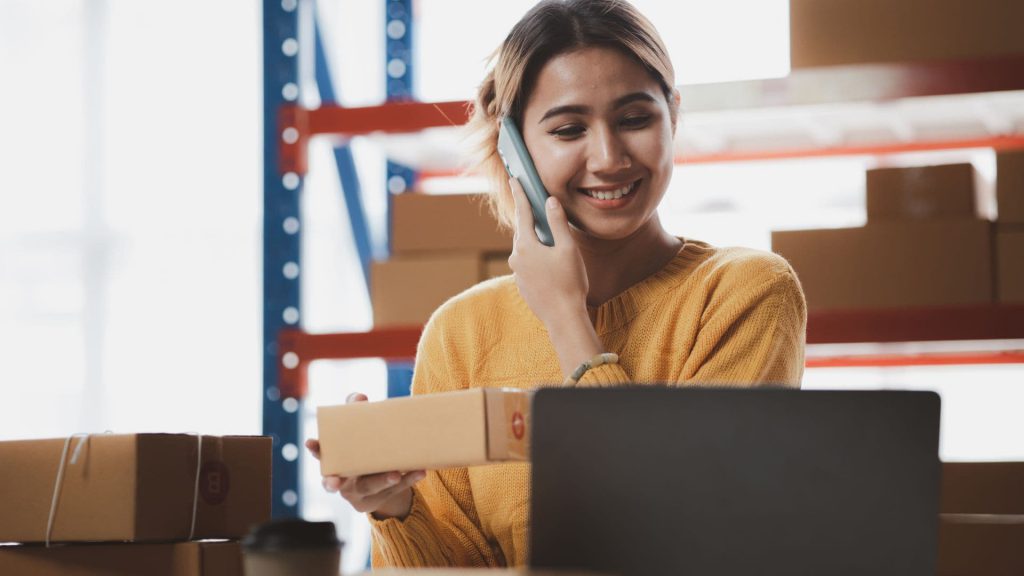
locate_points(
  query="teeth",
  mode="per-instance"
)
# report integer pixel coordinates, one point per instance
(611, 194)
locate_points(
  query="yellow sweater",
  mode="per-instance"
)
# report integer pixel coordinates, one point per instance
(711, 316)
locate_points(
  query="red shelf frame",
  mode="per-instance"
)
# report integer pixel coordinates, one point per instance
(990, 322)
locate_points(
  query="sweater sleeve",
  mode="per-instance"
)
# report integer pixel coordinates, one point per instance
(442, 528)
(754, 334)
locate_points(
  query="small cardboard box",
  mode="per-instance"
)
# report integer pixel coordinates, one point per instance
(833, 32)
(922, 193)
(982, 546)
(133, 487)
(1010, 186)
(406, 290)
(983, 488)
(431, 222)
(1010, 264)
(427, 432)
(174, 559)
(892, 264)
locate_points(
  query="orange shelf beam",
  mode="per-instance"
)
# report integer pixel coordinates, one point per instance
(993, 322)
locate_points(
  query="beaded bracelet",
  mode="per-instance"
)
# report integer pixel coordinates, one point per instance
(602, 358)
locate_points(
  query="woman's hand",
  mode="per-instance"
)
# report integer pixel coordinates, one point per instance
(385, 495)
(553, 281)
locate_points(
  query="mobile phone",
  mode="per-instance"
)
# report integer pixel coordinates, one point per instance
(519, 165)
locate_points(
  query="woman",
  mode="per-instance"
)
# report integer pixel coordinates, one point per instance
(592, 88)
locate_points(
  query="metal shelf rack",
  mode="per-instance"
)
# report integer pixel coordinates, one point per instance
(859, 92)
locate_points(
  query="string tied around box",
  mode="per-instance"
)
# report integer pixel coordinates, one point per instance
(83, 438)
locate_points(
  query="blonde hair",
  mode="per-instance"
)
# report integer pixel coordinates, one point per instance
(549, 29)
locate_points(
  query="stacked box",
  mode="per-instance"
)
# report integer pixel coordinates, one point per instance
(441, 245)
(149, 493)
(924, 245)
(837, 32)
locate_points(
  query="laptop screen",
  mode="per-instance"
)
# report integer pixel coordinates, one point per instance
(655, 480)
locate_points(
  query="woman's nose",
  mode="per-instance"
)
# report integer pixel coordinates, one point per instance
(607, 153)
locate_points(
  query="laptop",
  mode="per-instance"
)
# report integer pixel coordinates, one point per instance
(693, 482)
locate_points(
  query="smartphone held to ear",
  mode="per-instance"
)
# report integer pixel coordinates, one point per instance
(519, 165)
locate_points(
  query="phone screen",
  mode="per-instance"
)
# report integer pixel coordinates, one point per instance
(520, 166)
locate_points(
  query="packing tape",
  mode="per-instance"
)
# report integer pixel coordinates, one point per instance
(83, 438)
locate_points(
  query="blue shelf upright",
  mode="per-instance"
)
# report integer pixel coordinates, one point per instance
(281, 247)
(399, 67)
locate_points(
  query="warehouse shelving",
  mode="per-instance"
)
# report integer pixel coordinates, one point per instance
(811, 112)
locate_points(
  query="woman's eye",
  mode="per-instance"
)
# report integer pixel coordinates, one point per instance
(636, 121)
(567, 132)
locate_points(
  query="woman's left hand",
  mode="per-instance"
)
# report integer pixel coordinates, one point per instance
(552, 279)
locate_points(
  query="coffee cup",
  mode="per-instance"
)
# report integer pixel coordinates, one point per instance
(292, 547)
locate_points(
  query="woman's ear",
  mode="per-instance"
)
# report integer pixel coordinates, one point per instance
(675, 103)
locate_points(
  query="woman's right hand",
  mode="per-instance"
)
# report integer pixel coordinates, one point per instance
(385, 495)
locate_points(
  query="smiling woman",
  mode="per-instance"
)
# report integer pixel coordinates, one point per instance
(616, 300)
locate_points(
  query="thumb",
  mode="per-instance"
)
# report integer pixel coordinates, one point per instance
(558, 222)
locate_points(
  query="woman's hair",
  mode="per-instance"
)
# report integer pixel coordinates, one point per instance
(549, 29)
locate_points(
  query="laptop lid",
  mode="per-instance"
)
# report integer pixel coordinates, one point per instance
(653, 480)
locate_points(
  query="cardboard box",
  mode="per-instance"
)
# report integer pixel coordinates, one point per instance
(496, 265)
(922, 193)
(406, 290)
(134, 487)
(430, 222)
(892, 264)
(1010, 186)
(831, 32)
(983, 488)
(179, 559)
(428, 432)
(1010, 264)
(986, 546)
(479, 572)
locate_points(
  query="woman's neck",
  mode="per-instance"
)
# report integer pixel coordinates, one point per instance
(615, 265)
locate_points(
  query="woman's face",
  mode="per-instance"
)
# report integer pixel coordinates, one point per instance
(599, 130)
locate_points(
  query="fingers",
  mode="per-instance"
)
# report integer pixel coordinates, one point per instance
(524, 217)
(558, 222)
(367, 493)
(313, 445)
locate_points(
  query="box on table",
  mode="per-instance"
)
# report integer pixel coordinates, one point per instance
(166, 559)
(425, 432)
(833, 32)
(922, 193)
(892, 264)
(431, 222)
(134, 487)
(1010, 264)
(983, 488)
(982, 546)
(406, 290)
(1010, 186)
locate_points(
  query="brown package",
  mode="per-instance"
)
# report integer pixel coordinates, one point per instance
(892, 264)
(430, 222)
(179, 559)
(989, 546)
(983, 488)
(134, 487)
(1010, 264)
(406, 290)
(921, 193)
(427, 432)
(1010, 186)
(831, 32)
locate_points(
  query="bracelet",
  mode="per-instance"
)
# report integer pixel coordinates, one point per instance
(602, 358)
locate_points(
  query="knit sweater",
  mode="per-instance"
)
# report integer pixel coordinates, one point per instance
(711, 316)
